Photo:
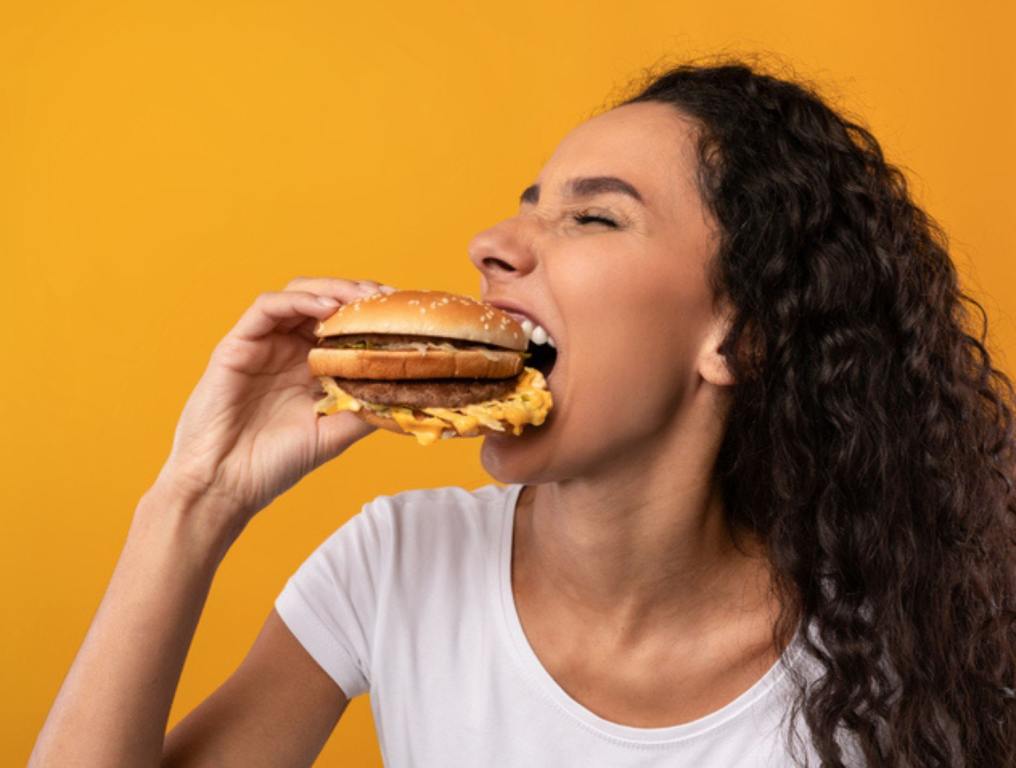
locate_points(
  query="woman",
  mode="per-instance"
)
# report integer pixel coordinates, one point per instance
(770, 519)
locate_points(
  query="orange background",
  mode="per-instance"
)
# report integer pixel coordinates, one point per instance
(162, 163)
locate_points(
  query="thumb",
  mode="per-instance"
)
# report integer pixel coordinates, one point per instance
(338, 431)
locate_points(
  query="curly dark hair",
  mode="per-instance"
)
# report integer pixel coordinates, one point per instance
(870, 440)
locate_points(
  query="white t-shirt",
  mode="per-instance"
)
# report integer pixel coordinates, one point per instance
(411, 599)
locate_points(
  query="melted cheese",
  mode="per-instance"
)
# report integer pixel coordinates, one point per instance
(335, 399)
(425, 430)
(527, 404)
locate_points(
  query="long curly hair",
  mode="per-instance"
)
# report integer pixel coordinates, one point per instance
(870, 440)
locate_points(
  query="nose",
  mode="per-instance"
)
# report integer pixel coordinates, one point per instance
(505, 250)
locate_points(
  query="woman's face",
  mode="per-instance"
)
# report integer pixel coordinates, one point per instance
(619, 283)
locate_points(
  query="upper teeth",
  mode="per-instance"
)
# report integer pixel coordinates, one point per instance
(534, 333)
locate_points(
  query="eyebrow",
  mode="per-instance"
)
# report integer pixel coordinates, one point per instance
(585, 186)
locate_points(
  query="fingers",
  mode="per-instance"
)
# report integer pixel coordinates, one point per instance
(343, 290)
(273, 310)
(338, 431)
(304, 301)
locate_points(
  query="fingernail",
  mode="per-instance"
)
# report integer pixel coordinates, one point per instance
(327, 301)
(387, 288)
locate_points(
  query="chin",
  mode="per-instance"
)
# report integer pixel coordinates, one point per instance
(524, 459)
(536, 456)
(548, 454)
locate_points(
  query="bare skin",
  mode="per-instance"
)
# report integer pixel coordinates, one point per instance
(247, 433)
(628, 662)
(627, 581)
(626, 578)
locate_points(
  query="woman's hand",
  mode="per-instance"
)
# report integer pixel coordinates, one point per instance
(249, 431)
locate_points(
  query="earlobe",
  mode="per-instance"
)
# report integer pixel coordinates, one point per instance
(714, 369)
(712, 365)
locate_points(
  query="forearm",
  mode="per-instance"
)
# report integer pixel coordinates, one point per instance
(114, 703)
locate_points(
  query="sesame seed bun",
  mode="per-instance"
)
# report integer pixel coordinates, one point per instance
(426, 313)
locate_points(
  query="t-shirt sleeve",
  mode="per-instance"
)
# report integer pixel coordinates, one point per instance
(330, 602)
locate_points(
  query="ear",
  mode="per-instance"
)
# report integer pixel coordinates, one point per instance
(711, 364)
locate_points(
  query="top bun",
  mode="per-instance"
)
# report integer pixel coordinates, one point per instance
(425, 313)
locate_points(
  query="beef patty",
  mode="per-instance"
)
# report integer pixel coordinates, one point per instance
(424, 393)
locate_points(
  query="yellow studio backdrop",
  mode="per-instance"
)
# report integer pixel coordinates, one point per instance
(163, 163)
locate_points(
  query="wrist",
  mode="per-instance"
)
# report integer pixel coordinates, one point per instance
(205, 524)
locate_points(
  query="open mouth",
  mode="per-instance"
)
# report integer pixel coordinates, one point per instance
(541, 357)
(541, 349)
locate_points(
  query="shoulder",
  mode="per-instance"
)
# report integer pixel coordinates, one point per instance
(434, 542)
(449, 496)
(403, 530)
(430, 519)
(436, 501)
(406, 540)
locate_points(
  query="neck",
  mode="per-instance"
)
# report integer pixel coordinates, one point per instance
(644, 542)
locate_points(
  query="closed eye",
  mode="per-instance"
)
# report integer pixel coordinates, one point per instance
(584, 218)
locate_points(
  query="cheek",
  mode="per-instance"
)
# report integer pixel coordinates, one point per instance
(630, 380)
(627, 281)
(634, 319)
(649, 318)
(632, 349)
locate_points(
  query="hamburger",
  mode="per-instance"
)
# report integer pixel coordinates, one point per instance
(430, 364)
